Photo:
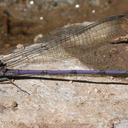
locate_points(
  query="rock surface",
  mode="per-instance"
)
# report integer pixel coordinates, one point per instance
(63, 104)
(97, 102)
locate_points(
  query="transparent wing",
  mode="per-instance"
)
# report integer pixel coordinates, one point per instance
(69, 41)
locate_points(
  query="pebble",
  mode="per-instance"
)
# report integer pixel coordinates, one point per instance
(19, 46)
(38, 37)
(14, 104)
(70, 82)
(10, 104)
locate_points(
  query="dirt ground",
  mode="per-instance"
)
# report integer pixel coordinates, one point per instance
(24, 21)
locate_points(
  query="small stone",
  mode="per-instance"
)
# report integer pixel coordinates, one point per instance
(112, 78)
(70, 82)
(19, 46)
(37, 38)
(14, 104)
(11, 104)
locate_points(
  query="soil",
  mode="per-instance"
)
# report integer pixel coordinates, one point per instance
(25, 24)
